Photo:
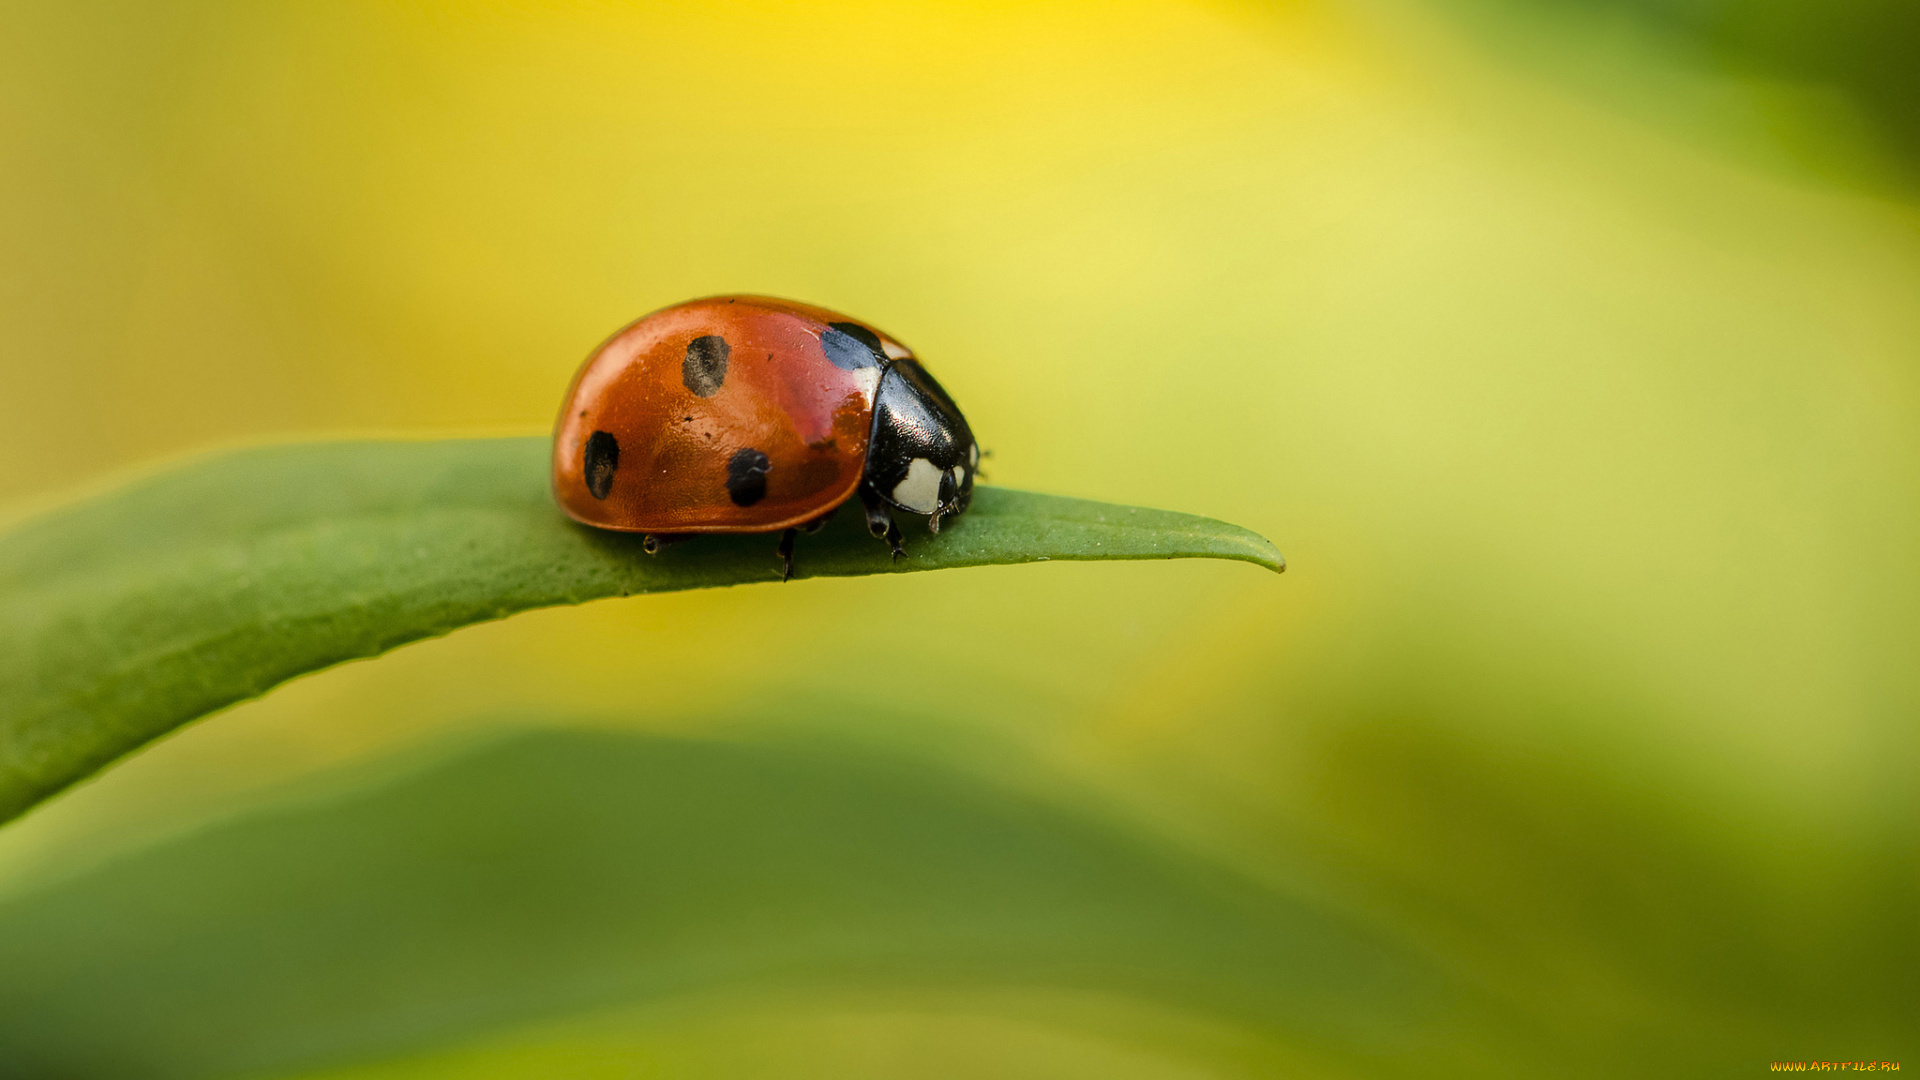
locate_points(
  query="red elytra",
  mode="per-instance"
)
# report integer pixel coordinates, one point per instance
(755, 414)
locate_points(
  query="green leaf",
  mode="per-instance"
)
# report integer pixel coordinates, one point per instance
(560, 872)
(125, 617)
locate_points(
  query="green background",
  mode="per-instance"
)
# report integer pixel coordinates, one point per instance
(1567, 350)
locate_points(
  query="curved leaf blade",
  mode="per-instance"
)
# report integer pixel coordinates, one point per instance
(547, 872)
(125, 617)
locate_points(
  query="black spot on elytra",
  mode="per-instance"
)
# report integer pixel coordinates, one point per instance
(705, 367)
(603, 457)
(851, 346)
(747, 476)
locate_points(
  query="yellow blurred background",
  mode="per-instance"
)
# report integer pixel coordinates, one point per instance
(1574, 372)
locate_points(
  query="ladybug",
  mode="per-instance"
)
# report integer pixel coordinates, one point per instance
(745, 414)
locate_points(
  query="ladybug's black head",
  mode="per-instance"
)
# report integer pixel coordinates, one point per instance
(922, 457)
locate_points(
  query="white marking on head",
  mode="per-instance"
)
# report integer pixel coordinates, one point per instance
(959, 479)
(973, 455)
(920, 491)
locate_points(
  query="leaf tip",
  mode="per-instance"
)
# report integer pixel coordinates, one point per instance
(1270, 557)
(1262, 552)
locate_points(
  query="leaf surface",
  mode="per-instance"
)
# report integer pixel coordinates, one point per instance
(127, 616)
(463, 890)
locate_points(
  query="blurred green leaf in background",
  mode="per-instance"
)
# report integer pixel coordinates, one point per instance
(1569, 351)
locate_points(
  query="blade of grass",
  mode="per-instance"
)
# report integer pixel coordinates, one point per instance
(476, 886)
(127, 616)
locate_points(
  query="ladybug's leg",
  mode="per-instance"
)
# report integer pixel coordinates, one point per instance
(786, 554)
(787, 538)
(651, 543)
(880, 523)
